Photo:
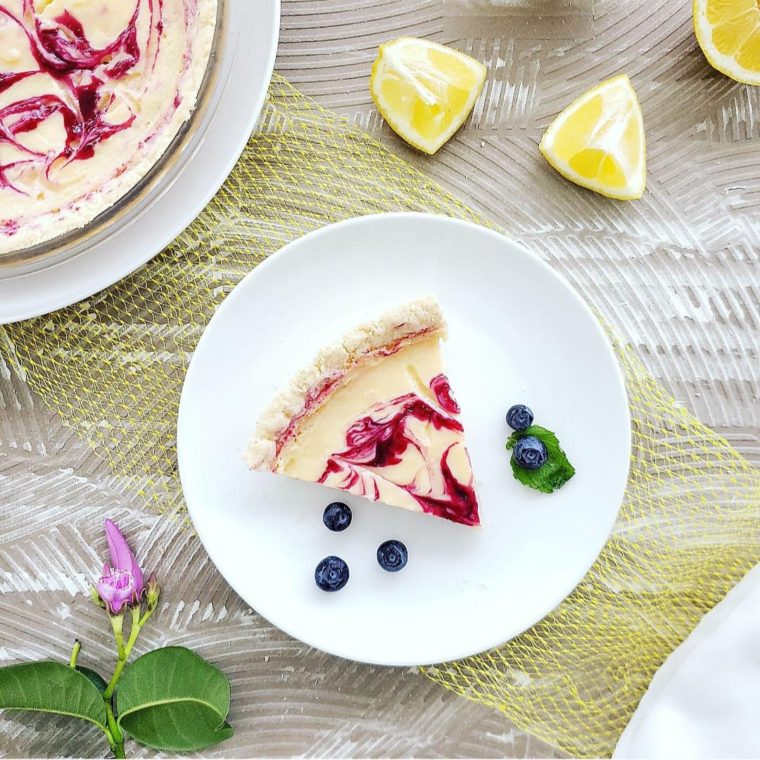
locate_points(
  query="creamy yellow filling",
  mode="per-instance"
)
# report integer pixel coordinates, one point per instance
(323, 433)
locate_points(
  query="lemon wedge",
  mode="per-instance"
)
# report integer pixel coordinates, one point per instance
(728, 31)
(598, 141)
(424, 90)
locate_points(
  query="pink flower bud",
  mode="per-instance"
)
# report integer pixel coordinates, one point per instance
(122, 581)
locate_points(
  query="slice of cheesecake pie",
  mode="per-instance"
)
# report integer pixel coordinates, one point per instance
(374, 416)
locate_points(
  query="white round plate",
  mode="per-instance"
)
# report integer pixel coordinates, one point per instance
(518, 333)
(254, 30)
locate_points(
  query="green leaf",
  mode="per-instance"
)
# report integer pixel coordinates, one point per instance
(172, 699)
(51, 687)
(93, 677)
(554, 473)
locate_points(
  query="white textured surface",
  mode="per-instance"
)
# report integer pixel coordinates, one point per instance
(678, 273)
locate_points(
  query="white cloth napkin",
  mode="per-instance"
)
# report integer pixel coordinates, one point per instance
(704, 702)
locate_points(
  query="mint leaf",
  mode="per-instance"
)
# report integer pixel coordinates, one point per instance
(172, 699)
(554, 473)
(51, 687)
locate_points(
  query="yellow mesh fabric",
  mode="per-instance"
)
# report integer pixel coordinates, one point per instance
(113, 366)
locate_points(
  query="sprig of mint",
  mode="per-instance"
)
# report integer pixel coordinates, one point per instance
(554, 473)
(169, 699)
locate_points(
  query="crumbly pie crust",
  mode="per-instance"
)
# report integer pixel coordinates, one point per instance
(393, 330)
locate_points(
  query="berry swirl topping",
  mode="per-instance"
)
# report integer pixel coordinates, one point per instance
(412, 445)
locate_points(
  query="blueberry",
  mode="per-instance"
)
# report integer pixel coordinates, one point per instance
(331, 574)
(337, 516)
(530, 452)
(392, 556)
(519, 417)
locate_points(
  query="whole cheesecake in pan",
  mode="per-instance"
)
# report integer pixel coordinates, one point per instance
(92, 93)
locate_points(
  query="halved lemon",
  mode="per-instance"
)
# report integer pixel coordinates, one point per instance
(728, 31)
(424, 90)
(598, 141)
